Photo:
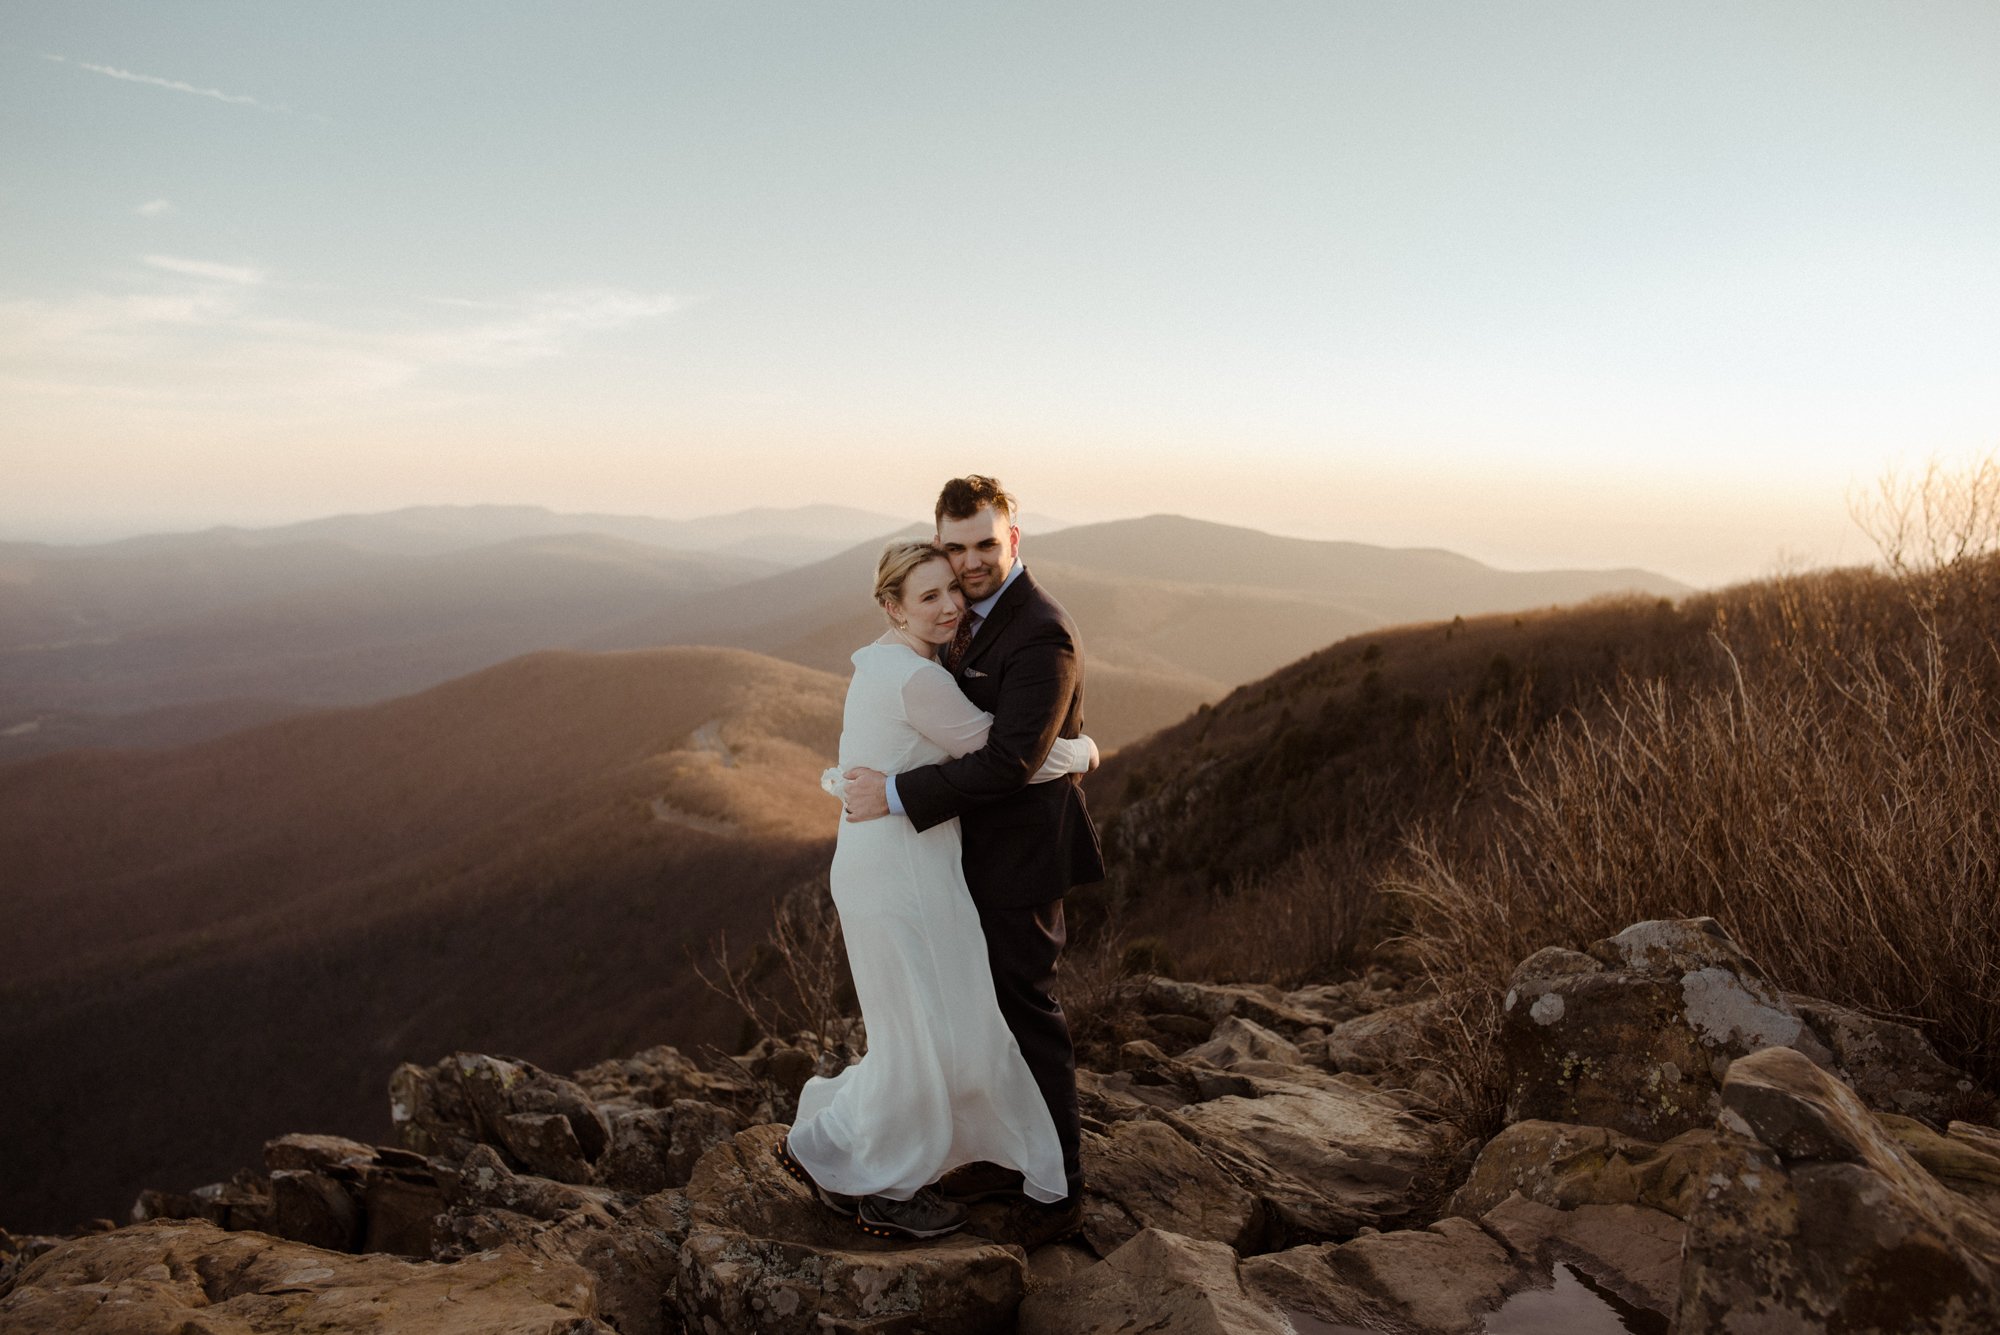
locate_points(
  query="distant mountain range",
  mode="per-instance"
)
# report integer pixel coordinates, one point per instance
(517, 857)
(167, 639)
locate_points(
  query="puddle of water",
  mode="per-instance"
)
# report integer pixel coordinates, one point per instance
(1575, 1305)
(1312, 1325)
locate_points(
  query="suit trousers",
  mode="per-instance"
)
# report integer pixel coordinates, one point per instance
(1023, 946)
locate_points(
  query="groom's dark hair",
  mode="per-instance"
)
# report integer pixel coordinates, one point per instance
(962, 497)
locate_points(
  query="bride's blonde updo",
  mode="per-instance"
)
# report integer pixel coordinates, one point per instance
(898, 560)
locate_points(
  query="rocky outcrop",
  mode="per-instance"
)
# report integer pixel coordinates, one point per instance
(645, 1136)
(189, 1275)
(1255, 1161)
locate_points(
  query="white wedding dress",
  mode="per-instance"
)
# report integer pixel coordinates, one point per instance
(943, 1082)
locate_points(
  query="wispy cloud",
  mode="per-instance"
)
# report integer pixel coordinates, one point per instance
(206, 333)
(219, 273)
(155, 208)
(171, 85)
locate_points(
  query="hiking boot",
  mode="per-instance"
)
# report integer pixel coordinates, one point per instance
(1064, 1217)
(924, 1215)
(844, 1206)
(976, 1182)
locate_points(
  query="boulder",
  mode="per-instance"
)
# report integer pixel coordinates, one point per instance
(1238, 1043)
(631, 1248)
(243, 1202)
(1971, 1170)
(759, 1253)
(1628, 1250)
(316, 1153)
(1327, 1157)
(1142, 1175)
(1637, 1033)
(315, 1210)
(545, 1124)
(1158, 1283)
(1564, 1166)
(1454, 1276)
(188, 1275)
(1891, 1066)
(653, 1148)
(1813, 1219)
(1438, 1280)
(1381, 1040)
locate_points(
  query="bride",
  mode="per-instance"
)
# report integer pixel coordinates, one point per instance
(943, 1082)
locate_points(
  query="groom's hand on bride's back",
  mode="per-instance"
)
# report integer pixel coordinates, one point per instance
(867, 798)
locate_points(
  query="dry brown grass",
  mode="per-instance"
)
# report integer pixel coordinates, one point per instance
(1833, 800)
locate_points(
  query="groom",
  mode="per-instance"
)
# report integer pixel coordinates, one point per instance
(1016, 656)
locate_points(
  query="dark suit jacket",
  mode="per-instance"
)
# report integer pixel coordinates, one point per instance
(1025, 843)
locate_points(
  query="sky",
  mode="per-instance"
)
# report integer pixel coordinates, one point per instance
(1580, 284)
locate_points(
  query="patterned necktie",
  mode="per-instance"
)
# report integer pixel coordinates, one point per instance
(956, 653)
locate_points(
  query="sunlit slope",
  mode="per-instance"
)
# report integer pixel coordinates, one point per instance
(247, 933)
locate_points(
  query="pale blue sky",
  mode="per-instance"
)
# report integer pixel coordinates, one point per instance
(1550, 284)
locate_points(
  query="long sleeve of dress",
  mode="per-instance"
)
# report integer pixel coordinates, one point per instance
(936, 708)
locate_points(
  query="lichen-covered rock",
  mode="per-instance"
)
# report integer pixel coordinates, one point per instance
(1637, 1033)
(1327, 1157)
(188, 1275)
(1159, 1283)
(761, 1254)
(1565, 1166)
(1813, 1219)
(1141, 1175)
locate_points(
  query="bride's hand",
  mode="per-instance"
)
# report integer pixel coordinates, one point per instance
(1095, 758)
(866, 798)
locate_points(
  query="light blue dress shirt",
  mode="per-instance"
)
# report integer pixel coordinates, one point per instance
(984, 609)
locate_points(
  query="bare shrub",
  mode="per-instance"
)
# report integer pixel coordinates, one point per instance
(794, 984)
(1311, 917)
(1095, 1001)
